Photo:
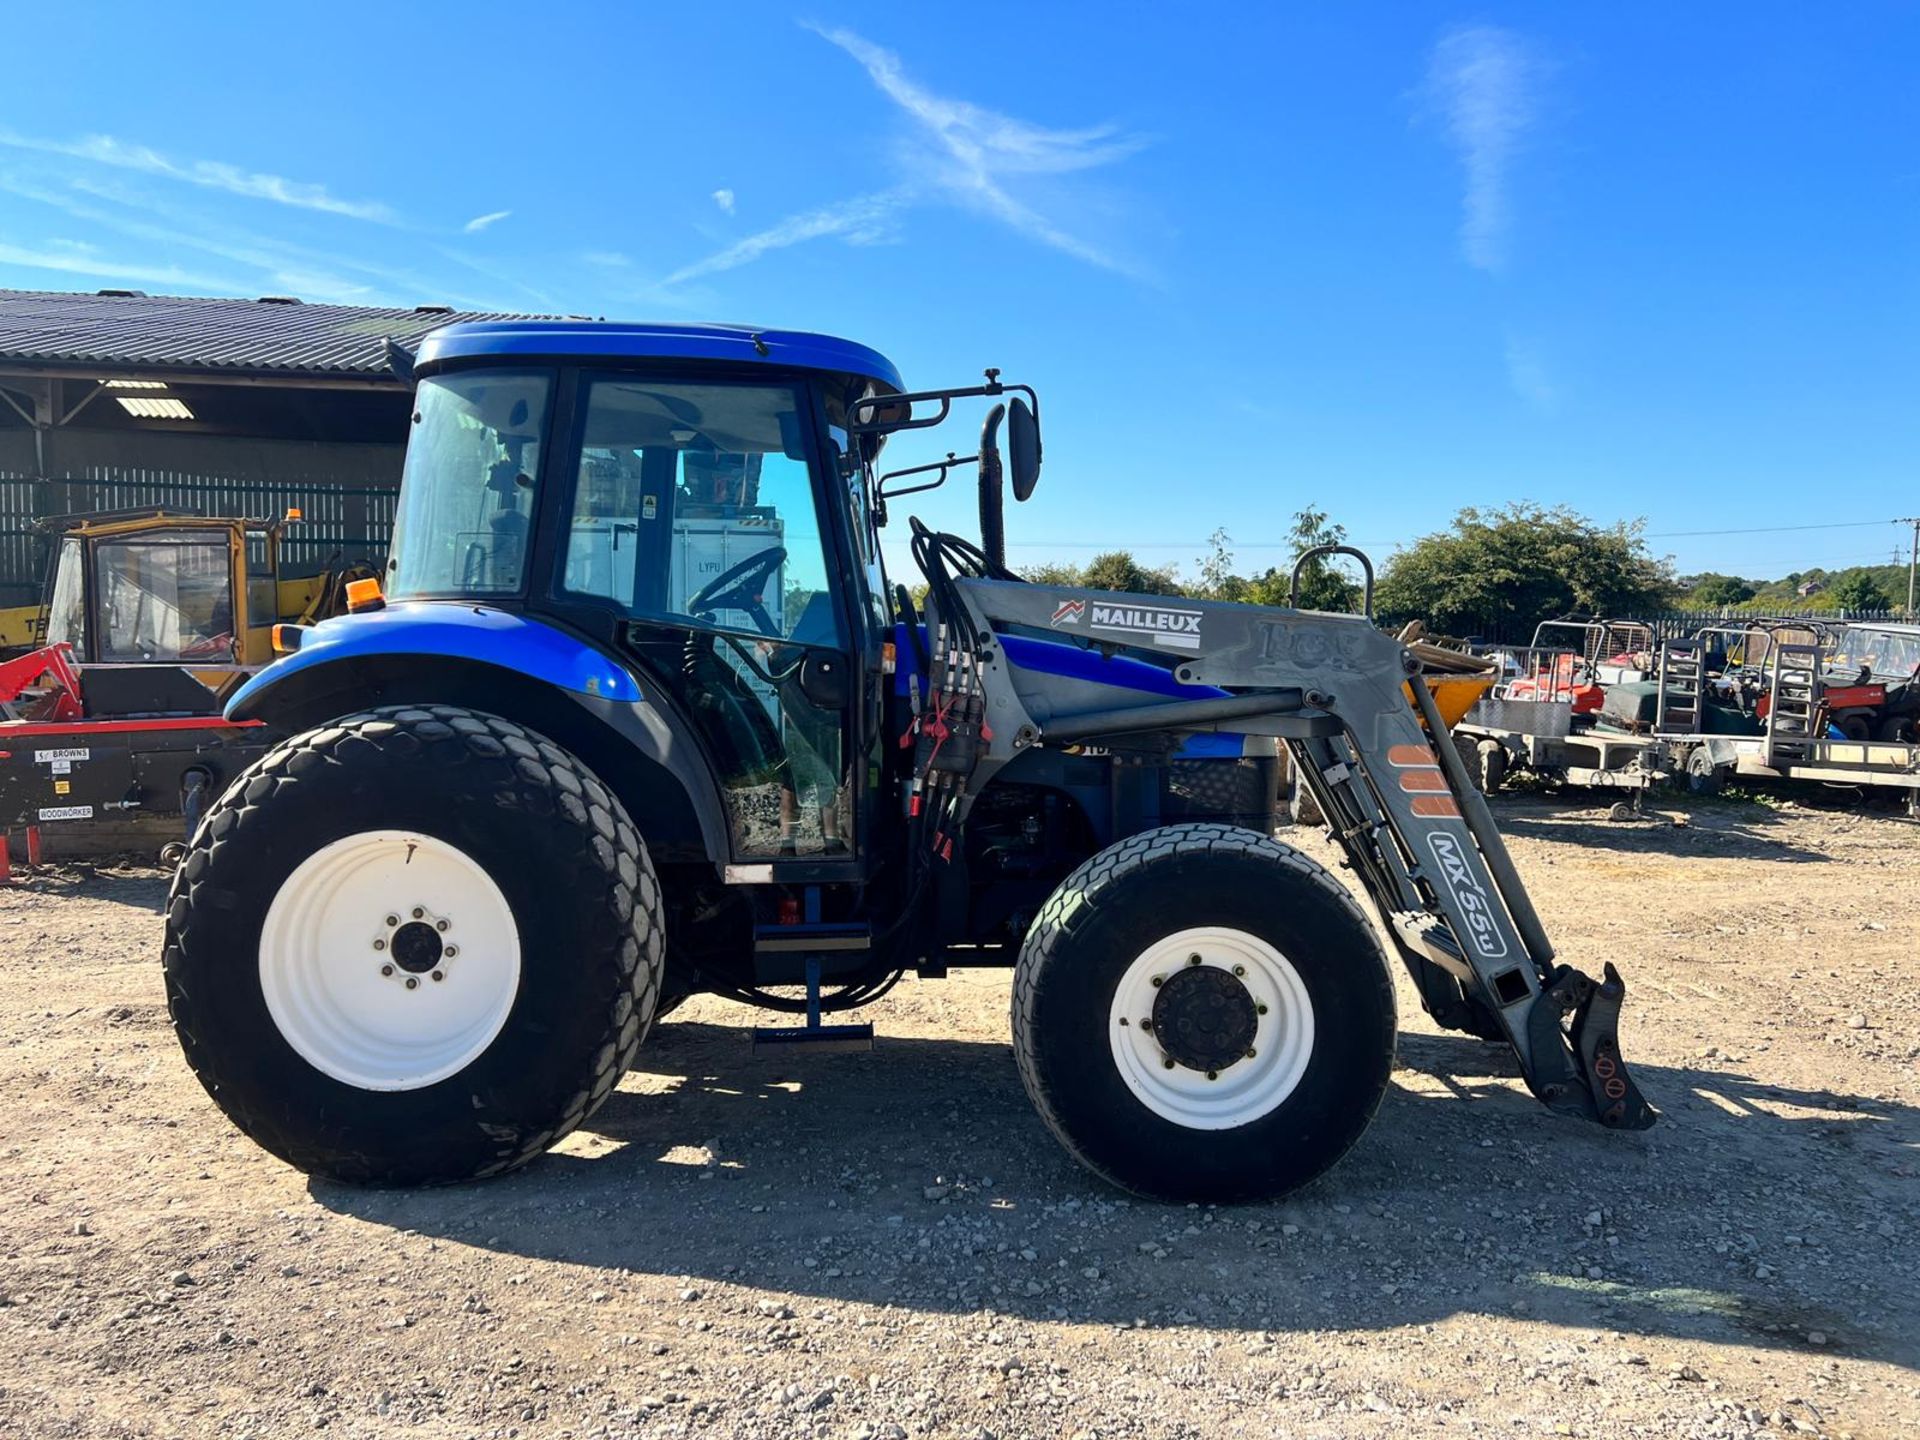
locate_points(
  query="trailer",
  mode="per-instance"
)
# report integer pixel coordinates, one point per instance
(1547, 714)
(1774, 708)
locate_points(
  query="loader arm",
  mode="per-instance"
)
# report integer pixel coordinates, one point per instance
(1420, 837)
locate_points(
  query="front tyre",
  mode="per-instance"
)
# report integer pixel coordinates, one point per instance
(1203, 1014)
(418, 945)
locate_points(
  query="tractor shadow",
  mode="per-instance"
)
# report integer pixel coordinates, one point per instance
(1718, 830)
(919, 1176)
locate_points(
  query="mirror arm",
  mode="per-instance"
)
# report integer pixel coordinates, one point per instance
(858, 422)
(884, 494)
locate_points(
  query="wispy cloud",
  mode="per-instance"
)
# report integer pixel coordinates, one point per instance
(1485, 83)
(959, 153)
(1527, 373)
(211, 174)
(481, 222)
(500, 276)
(862, 220)
(283, 267)
(723, 197)
(79, 259)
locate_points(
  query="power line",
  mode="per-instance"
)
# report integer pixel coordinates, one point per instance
(1289, 544)
(1769, 529)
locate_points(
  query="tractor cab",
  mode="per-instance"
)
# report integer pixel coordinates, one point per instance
(164, 610)
(692, 503)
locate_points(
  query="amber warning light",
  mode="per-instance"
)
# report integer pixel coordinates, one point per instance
(364, 595)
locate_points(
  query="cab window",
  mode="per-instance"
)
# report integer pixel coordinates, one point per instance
(695, 504)
(467, 492)
(165, 597)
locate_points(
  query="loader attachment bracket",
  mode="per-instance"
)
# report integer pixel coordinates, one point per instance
(1577, 1068)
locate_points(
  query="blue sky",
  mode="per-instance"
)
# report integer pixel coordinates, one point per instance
(1657, 261)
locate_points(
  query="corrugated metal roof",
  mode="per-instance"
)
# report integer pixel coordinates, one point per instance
(134, 332)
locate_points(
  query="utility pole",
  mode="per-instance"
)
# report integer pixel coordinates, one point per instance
(1913, 558)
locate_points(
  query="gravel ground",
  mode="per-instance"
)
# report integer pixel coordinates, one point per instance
(889, 1245)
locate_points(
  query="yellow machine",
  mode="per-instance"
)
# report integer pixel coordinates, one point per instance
(161, 587)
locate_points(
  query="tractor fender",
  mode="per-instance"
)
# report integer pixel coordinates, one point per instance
(521, 669)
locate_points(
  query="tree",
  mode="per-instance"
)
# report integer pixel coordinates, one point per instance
(1858, 590)
(1054, 572)
(1118, 570)
(1507, 569)
(1321, 586)
(1217, 580)
(1113, 570)
(1717, 591)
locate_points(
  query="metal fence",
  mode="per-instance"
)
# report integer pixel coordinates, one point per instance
(1678, 624)
(354, 522)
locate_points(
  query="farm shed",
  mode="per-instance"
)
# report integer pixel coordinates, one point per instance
(120, 400)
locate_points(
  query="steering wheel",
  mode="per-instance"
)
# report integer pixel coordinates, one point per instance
(739, 587)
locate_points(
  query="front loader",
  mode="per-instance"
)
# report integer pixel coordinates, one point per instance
(640, 716)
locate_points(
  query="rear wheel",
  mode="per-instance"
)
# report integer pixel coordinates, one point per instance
(418, 945)
(1899, 730)
(1703, 776)
(1491, 771)
(1201, 1013)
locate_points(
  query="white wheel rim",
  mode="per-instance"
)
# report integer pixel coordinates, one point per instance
(335, 967)
(1251, 1086)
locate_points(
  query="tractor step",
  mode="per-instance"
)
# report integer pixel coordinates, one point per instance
(813, 1035)
(822, 1039)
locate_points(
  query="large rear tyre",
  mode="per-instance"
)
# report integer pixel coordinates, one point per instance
(1201, 1013)
(416, 946)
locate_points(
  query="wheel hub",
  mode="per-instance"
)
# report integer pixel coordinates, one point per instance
(418, 998)
(416, 947)
(1204, 1018)
(1210, 1027)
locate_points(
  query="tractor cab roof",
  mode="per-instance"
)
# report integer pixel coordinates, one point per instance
(614, 341)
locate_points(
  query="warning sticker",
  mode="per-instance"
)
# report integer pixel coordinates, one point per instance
(63, 787)
(44, 757)
(67, 812)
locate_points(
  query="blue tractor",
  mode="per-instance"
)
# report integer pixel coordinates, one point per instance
(637, 715)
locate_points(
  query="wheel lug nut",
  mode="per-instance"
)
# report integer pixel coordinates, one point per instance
(1144, 1024)
(440, 925)
(1249, 1048)
(1260, 1009)
(386, 970)
(438, 975)
(1213, 1074)
(1239, 969)
(418, 913)
(1168, 1063)
(1123, 1019)
(379, 944)
(1158, 981)
(451, 951)
(1193, 959)
(413, 982)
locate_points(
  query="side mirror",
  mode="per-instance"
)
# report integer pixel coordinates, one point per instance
(1023, 448)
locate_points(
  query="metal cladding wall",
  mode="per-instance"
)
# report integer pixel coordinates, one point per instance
(344, 491)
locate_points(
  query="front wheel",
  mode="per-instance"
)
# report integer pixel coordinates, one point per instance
(418, 945)
(1203, 1014)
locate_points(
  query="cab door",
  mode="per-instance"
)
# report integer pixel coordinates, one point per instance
(698, 514)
